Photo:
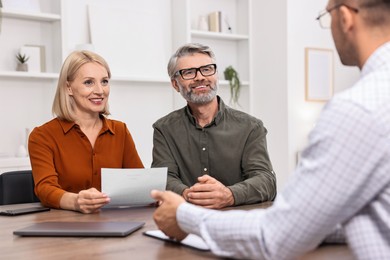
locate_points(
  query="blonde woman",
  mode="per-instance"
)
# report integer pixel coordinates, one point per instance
(68, 152)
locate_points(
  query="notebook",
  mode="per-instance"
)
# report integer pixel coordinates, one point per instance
(80, 229)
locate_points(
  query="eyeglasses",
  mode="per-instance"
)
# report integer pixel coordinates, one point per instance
(325, 19)
(207, 70)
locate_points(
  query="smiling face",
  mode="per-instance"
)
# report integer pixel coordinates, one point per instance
(89, 90)
(201, 89)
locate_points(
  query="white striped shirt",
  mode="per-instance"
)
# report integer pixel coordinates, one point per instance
(342, 180)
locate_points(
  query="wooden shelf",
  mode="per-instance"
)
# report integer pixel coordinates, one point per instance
(42, 17)
(220, 36)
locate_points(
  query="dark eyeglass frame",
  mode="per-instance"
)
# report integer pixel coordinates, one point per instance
(181, 72)
(327, 11)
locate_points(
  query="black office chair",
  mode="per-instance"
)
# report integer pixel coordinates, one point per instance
(17, 187)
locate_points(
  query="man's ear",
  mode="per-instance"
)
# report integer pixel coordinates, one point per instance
(175, 85)
(347, 18)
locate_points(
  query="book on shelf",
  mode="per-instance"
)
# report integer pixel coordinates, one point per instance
(215, 23)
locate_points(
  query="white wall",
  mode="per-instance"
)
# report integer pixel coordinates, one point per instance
(304, 31)
(21, 102)
(281, 31)
(269, 34)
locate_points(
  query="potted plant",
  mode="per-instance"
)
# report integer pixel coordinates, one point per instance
(22, 59)
(231, 75)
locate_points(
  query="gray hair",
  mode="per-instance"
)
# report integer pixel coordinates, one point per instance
(186, 50)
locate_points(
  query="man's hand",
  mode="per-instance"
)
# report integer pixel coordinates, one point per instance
(165, 214)
(185, 194)
(210, 193)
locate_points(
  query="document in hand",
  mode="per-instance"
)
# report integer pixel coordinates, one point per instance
(131, 187)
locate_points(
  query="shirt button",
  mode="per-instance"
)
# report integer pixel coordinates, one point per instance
(205, 169)
(204, 148)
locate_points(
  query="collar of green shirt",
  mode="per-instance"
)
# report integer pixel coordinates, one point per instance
(217, 118)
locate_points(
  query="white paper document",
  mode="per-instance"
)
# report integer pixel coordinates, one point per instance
(131, 187)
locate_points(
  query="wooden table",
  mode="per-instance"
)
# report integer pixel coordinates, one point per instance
(134, 246)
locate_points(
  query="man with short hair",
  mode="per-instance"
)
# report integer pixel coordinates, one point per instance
(216, 156)
(340, 191)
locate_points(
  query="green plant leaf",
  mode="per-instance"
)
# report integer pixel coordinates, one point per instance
(234, 82)
(22, 58)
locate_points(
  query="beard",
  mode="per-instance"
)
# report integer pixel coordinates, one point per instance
(198, 98)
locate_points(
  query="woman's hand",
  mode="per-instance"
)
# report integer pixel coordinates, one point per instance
(91, 200)
(86, 201)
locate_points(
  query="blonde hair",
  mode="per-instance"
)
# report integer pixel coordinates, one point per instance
(63, 103)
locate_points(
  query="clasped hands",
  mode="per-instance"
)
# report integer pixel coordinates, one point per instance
(209, 193)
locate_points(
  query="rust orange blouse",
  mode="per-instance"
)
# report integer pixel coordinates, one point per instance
(63, 159)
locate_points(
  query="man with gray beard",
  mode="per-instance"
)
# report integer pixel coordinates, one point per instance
(216, 156)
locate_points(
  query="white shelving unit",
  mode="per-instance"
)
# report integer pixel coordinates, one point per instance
(24, 27)
(44, 29)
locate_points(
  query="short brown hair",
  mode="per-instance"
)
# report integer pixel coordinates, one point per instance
(375, 12)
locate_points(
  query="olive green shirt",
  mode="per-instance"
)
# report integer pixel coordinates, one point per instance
(232, 149)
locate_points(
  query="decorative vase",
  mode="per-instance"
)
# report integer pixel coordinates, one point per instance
(22, 67)
(203, 24)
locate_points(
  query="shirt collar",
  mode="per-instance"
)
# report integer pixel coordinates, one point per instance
(67, 125)
(380, 56)
(217, 118)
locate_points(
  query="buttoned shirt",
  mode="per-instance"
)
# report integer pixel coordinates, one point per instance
(63, 159)
(342, 183)
(232, 149)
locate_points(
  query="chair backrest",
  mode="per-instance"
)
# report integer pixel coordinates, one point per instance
(17, 187)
